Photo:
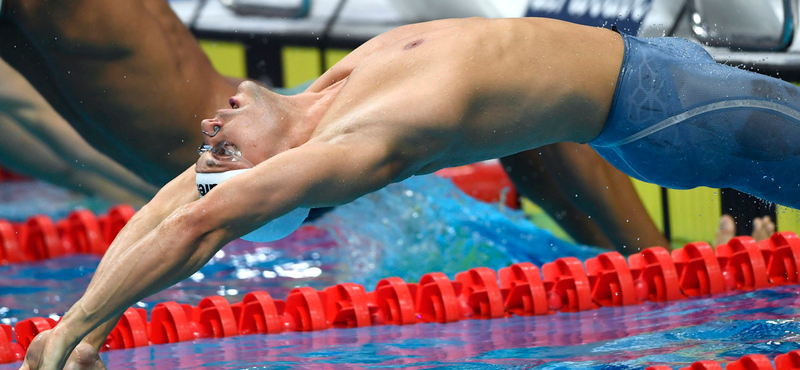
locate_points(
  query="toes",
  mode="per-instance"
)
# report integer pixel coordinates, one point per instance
(763, 228)
(727, 230)
(727, 224)
(769, 225)
(758, 224)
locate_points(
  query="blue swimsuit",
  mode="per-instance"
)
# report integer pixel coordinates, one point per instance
(681, 120)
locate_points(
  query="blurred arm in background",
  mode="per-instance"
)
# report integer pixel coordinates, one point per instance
(37, 142)
(127, 75)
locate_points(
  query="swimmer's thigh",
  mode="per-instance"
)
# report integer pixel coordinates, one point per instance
(681, 120)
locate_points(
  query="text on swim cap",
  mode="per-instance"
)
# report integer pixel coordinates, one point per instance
(205, 188)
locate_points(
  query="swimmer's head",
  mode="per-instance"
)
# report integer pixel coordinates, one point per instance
(259, 123)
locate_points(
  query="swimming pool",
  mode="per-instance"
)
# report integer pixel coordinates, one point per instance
(417, 232)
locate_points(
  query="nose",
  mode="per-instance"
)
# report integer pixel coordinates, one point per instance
(248, 89)
(210, 127)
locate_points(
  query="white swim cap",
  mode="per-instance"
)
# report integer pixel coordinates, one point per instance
(273, 230)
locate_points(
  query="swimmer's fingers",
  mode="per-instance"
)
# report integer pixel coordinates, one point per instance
(85, 357)
(47, 351)
(33, 356)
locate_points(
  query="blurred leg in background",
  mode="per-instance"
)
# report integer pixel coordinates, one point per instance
(590, 199)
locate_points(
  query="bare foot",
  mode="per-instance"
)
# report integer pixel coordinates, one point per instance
(727, 230)
(763, 228)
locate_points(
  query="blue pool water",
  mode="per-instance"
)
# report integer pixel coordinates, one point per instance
(419, 226)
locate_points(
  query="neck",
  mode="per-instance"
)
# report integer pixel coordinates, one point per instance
(307, 109)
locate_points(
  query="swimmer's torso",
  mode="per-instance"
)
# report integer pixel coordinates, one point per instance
(508, 86)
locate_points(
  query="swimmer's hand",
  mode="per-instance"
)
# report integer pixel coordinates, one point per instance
(45, 347)
(85, 357)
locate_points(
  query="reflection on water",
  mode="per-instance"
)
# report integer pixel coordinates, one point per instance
(421, 225)
(676, 334)
(425, 224)
(24, 198)
(408, 229)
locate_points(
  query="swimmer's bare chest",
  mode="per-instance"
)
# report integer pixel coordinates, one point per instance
(477, 90)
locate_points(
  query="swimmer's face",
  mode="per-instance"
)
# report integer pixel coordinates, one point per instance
(251, 126)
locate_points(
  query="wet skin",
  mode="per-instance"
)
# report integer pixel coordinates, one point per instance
(470, 90)
(137, 95)
(131, 79)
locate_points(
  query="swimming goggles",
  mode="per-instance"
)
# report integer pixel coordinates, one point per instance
(223, 151)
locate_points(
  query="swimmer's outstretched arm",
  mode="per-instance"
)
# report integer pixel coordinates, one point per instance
(311, 175)
(178, 192)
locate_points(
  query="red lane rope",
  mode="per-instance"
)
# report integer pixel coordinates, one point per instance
(788, 361)
(40, 238)
(565, 285)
